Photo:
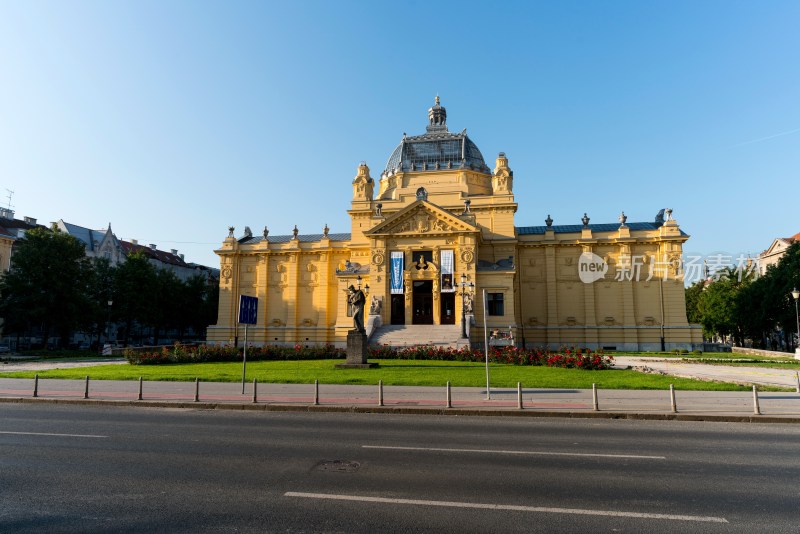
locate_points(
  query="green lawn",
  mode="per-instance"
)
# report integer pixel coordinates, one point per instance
(392, 372)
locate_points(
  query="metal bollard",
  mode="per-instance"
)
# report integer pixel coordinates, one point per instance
(449, 396)
(797, 376)
(519, 396)
(86, 389)
(36, 385)
(255, 390)
(595, 405)
(380, 392)
(197, 390)
(672, 398)
(316, 392)
(140, 389)
(756, 408)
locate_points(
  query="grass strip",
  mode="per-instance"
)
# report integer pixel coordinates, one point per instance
(392, 372)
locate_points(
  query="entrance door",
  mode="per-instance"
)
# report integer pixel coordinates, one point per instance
(423, 302)
(448, 308)
(398, 309)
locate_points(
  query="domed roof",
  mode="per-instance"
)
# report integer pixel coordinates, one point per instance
(437, 148)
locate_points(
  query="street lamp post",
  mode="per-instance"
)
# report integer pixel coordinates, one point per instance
(464, 294)
(108, 323)
(796, 295)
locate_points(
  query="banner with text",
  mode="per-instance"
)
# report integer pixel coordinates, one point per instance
(397, 272)
(448, 285)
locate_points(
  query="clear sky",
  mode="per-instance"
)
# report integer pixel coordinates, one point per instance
(174, 120)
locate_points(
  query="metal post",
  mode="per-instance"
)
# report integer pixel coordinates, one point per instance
(519, 396)
(36, 385)
(140, 389)
(316, 392)
(463, 306)
(797, 317)
(255, 390)
(244, 357)
(595, 404)
(661, 298)
(86, 389)
(796, 375)
(197, 390)
(486, 343)
(380, 392)
(449, 396)
(756, 408)
(672, 398)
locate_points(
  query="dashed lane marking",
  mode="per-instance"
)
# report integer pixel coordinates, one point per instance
(510, 507)
(533, 453)
(51, 434)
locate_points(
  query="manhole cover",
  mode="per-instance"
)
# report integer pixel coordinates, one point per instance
(341, 466)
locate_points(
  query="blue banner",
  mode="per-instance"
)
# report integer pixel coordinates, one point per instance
(397, 272)
(248, 309)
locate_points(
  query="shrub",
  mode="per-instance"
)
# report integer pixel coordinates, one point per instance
(566, 357)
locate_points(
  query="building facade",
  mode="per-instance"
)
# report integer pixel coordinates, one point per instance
(435, 240)
(105, 244)
(775, 252)
(11, 231)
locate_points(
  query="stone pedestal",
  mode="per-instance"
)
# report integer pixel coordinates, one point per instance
(357, 351)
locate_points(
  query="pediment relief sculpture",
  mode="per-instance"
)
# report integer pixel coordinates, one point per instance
(422, 219)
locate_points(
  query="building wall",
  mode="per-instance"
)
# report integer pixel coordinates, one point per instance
(5, 253)
(302, 281)
(435, 195)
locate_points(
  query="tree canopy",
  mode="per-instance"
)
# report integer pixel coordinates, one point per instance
(746, 307)
(54, 289)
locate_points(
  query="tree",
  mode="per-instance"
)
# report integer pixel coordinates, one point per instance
(46, 285)
(720, 307)
(693, 293)
(135, 292)
(778, 283)
(101, 290)
(166, 308)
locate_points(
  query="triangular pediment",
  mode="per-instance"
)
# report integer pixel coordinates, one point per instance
(421, 217)
(777, 245)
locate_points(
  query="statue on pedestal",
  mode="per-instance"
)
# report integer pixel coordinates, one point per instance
(357, 299)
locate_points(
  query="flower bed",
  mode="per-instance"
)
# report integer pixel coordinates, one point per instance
(226, 353)
(565, 357)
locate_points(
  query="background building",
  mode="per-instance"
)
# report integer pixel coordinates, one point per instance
(438, 215)
(11, 230)
(775, 252)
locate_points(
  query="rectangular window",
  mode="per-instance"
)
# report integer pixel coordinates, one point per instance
(494, 303)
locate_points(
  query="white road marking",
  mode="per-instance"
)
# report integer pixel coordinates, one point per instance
(537, 453)
(484, 506)
(57, 435)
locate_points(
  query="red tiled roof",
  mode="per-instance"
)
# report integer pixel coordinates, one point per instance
(795, 237)
(159, 255)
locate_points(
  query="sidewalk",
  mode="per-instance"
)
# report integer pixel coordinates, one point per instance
(635, 404)
(739, 374)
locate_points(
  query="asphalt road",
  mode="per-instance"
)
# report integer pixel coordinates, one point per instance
(101, 469)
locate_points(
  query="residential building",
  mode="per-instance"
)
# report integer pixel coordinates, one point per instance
(11, 230)
(775, 252)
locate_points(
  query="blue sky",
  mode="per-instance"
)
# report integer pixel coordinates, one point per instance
(174, 120)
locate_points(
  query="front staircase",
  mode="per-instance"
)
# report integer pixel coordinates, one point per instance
(398, 336)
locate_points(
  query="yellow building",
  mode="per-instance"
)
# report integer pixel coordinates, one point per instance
(436, 234)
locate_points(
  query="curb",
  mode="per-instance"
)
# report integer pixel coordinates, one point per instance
(405, 410)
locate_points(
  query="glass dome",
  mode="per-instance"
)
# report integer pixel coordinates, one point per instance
(436, 149)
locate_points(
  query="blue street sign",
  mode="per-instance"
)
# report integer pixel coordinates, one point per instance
(248, 309)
